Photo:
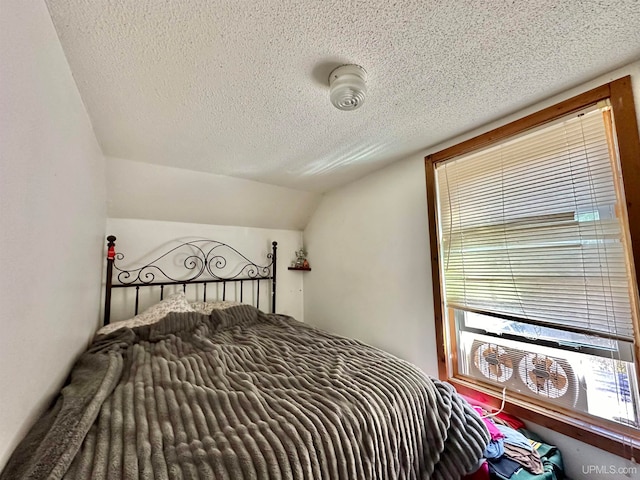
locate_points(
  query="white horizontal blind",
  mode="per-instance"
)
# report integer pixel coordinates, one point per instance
(530, 229)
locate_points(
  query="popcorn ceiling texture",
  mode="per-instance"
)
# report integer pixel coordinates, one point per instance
(240, 88)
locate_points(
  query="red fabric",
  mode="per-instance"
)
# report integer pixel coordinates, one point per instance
(513, 422)
(481, 474)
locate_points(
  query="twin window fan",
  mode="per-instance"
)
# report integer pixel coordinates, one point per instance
(537, 278)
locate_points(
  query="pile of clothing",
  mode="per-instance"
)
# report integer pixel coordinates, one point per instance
(514, 453)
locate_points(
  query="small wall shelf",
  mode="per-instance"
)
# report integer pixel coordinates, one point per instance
(301, 269)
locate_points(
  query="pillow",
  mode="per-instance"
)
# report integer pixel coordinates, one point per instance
(173, 303)
(208, 307)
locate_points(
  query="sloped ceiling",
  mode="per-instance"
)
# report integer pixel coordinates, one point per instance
(239, 87)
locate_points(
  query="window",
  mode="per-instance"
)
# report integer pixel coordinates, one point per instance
(535, 235)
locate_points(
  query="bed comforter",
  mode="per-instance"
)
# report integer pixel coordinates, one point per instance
(241, 394)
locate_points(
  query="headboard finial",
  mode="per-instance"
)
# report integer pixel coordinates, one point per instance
(111, 247)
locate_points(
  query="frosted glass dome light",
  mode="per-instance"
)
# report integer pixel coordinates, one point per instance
(348, 87)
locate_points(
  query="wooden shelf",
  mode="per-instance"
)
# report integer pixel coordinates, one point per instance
(300, 269)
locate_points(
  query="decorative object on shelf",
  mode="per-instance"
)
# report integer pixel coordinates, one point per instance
(301, 262)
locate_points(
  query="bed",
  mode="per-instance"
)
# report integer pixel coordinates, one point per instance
(227, 391)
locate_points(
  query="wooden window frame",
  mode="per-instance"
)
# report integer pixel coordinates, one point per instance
(622, 440)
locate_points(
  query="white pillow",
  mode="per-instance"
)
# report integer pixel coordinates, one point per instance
(208, 307)
(173, 303)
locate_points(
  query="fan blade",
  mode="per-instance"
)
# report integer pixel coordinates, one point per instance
(559, 381)
(539, 381)
(505, 360)
(533, 377)
(489, 352)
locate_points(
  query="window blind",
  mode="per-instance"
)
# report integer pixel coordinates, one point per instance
(531, 229)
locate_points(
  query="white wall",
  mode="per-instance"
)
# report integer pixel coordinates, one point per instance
(368, 248)
(144, 240)
(368, 244)
(52, 216)
(155, 192)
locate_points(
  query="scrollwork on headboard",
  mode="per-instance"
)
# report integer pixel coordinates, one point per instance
(200, 262)
(205, 261)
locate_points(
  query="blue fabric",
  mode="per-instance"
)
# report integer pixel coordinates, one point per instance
(495, 449)
(503, 468)
(513, 437)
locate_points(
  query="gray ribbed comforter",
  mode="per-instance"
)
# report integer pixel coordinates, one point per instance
(245, 395)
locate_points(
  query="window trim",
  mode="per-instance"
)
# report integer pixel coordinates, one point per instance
(622, 441)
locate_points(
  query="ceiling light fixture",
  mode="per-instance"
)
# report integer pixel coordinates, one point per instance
(348, 87)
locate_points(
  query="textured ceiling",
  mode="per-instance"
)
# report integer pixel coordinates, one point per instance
(240, 87)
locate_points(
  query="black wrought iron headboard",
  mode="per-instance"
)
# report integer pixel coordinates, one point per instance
(203, 265)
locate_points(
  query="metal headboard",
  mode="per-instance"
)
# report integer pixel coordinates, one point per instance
(203, 265)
